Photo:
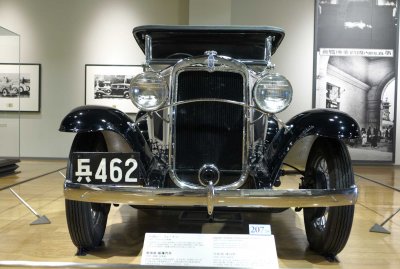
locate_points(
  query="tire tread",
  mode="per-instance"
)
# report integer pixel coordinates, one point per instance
(340, 219)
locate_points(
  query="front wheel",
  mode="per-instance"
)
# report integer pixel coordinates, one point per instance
(86, 223)
(328, 167)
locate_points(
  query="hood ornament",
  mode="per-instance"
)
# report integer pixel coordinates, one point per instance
(211, 59)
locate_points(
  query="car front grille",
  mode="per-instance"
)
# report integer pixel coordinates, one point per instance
(209, 132)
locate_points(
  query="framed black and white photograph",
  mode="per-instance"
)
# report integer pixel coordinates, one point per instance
(20, 87)
(108, 85)
(355, 70)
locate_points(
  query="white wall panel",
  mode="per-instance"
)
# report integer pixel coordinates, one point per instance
(294, 58)
(63, 36)
(209, 12)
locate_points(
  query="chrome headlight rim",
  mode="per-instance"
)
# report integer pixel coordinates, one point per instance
(264, 76)
(163, 87)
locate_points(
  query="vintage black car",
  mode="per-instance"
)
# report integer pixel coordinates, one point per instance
(117, 90)
(12, 88)
(8, 87)
(207, 137)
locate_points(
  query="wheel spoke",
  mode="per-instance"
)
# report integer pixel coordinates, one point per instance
(320, 223)
(322, 168)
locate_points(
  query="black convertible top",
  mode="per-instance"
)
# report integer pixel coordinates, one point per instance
(240, 42)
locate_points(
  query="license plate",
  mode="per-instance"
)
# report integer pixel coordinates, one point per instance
(105, 168)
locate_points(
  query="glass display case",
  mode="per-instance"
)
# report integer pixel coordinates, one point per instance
(10, 84)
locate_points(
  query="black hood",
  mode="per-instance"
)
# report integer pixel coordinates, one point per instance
(239, 42)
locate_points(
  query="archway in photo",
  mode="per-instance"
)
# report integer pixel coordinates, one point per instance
(363, 87)
(387, 114)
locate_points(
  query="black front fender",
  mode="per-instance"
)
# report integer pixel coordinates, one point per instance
(318, 122)
(95, 118)
(99, 118)
(324, 122)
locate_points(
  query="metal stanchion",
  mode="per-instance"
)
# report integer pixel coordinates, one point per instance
(379, 228)
(40, 219)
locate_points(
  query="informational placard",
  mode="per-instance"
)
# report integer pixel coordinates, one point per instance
(213, 250)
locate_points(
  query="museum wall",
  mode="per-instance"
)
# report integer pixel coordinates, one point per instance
(209, 12)
(294, 58)
(9, 123)
(63, 36)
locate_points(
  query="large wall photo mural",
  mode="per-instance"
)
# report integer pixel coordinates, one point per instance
(355, 70)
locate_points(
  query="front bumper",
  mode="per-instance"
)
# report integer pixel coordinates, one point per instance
(209, 197)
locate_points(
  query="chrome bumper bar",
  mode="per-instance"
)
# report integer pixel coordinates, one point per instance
(209, 197)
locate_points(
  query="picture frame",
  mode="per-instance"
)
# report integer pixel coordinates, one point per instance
(108, 85)
(20, 87)
(352, 41)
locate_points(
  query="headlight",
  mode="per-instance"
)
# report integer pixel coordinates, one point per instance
(272, 93)
(148, 91)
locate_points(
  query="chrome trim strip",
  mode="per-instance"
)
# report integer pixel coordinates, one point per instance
(241, 198)
(185, 185)
(249, 107)
(259, 118)
(268, 51)
(148, 49)
(174, 61)
(210, 198)
(168, 119)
